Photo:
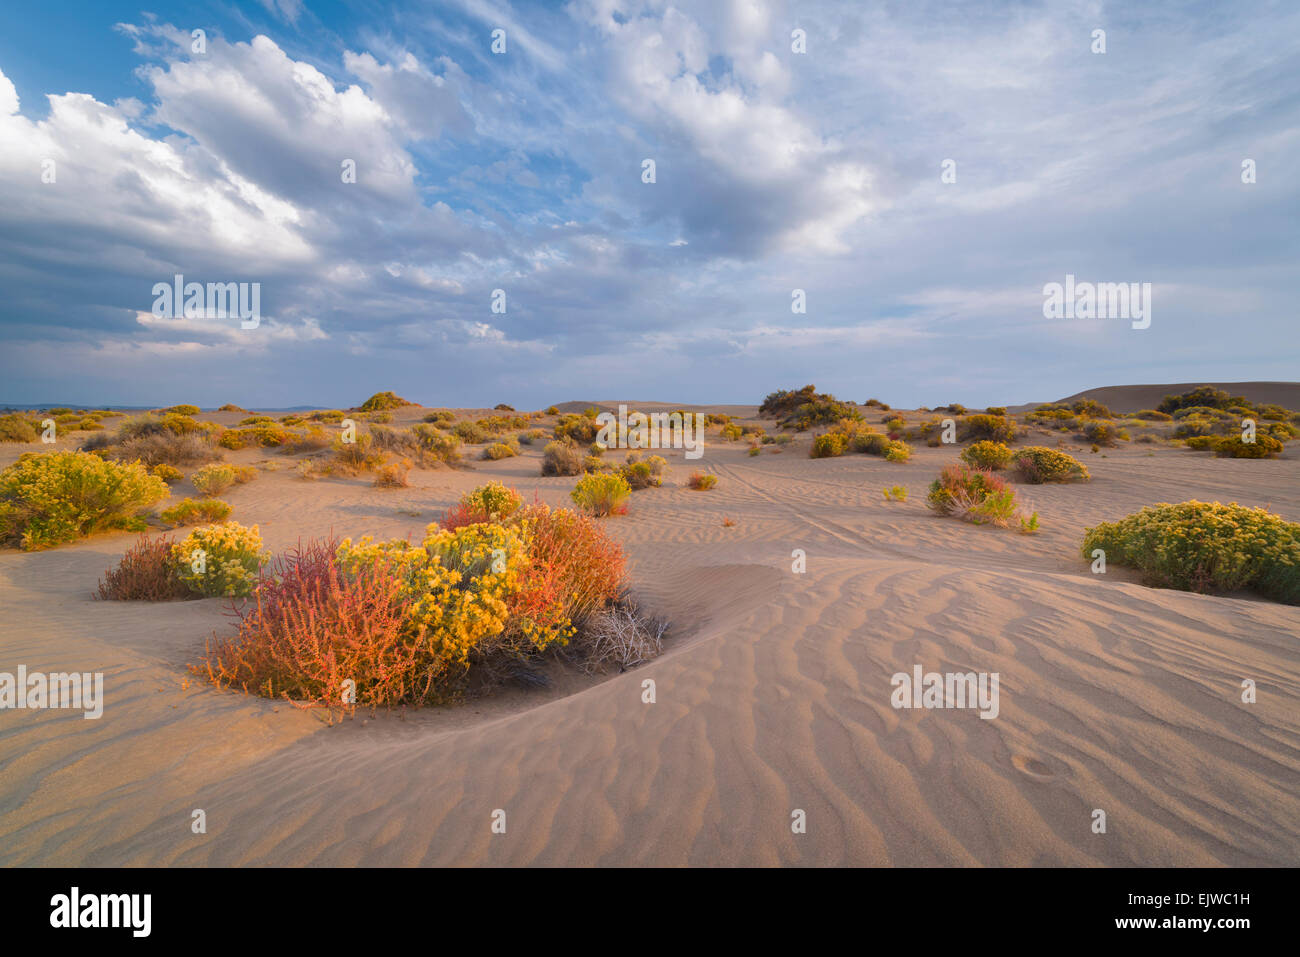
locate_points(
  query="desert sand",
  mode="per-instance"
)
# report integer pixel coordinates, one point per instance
(773, 693)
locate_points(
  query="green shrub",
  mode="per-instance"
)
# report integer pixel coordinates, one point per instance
(1100, 433)
(168, 473)
(1092, 409)
(1036, 464)
(495, 500)
(999, 410)
(995, 428)
(213, 479)
(184, 409)
(531, 436)
(1264, 447)
(552, 410)
(895, 493)
(383, 401)
(644, 474)
(471, 433)
(702, 481)
(436, 446)
(190, 511)
(15, 427)
(500, 450)
(898, 452)
(1151, 415)
(56, 497)
(1204, 396)
(987, 455)
(601, 494)
(806, 408)
(231, 407)
(219, 559)
(1205, 546)
(829, 445)
(579, 428)
(869, 443)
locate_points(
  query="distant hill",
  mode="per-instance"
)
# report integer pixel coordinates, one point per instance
(1131, 398)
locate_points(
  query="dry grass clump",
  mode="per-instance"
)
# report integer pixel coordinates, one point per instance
(618, 636)
(353, 458)
(393, 474)
(16, 427)
(562, 457)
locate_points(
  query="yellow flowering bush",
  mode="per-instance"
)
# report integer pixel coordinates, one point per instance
(219, 559)
(55, 497)
(493, 500)
(1205, 546)
(461, 592)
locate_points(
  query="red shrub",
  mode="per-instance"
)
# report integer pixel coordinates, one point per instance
(587, 567)
(462, 514)
(144, 574)
(311, 628)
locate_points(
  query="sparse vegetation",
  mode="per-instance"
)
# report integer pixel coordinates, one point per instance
(702, 481)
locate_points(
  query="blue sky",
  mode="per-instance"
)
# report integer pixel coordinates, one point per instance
(522, 171)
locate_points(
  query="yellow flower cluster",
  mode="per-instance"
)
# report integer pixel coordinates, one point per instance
(220, 559)
(1205, 546)
(458, 587)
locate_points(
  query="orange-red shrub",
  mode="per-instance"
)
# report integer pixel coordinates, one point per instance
(144, 574)
(311, 628)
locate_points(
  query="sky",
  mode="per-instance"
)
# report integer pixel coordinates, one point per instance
(796, 146)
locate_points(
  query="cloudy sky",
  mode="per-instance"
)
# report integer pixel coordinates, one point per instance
(522, 170)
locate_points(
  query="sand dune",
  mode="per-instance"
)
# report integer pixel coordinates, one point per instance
(1133, 398)
(773, 694)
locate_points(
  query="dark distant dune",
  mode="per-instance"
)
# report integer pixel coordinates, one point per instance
(1131, 398)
